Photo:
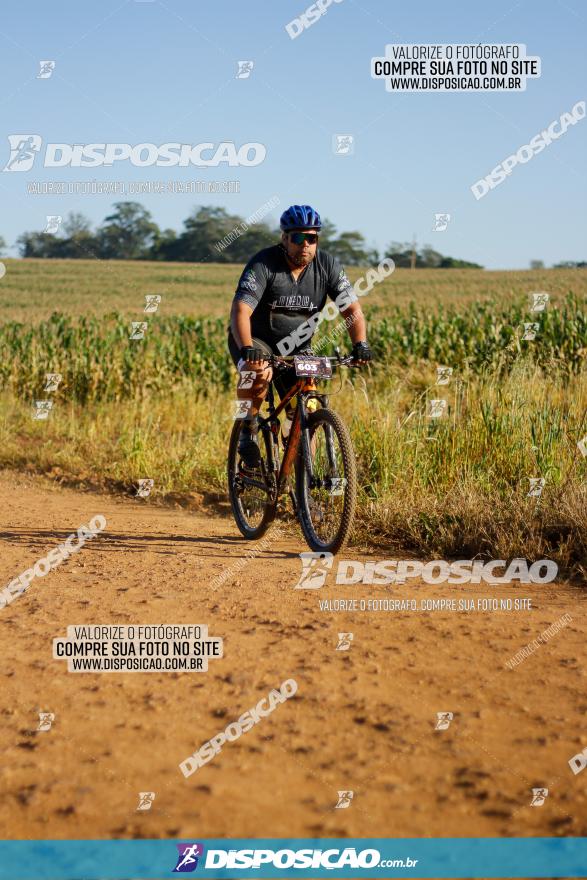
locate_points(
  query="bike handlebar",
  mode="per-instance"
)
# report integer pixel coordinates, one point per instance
(286, 361)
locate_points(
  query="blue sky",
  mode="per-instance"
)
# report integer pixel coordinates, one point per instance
(157, 72)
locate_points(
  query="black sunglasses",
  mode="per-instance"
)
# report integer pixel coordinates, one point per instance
(301, 237)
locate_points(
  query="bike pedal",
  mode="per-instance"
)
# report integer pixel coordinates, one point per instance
(247, 471)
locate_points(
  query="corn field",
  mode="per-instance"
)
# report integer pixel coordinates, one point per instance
(99, 361)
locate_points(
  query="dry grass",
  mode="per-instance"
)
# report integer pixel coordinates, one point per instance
(457, 486)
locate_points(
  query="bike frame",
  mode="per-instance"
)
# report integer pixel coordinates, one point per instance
(304, 389)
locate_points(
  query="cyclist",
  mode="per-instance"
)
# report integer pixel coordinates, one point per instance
(280, 289)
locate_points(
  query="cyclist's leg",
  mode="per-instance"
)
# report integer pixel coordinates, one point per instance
(248, 446)
(283, 382)
(257, 393)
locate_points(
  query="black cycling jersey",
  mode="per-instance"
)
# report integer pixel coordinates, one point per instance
(281, 303)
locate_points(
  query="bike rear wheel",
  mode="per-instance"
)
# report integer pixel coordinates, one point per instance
(250, 490)
(326, 501)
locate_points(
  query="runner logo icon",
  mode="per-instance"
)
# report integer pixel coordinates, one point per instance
(444, 719)
(46, 719)
(539, 795)
(146, 799)
(23, 151)
(344, 800)
(344, 641)
(314, 569)
(187, 860)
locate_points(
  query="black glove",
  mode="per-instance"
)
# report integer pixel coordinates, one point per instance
(250, 353)
(361, 352)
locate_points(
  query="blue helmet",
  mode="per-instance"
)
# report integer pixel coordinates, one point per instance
(300, 217)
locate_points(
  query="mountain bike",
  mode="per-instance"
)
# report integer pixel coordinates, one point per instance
(318, 449)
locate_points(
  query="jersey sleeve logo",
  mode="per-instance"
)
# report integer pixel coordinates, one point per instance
(343, 282)
(248, 281)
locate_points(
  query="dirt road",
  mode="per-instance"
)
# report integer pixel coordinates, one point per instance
(363, 720)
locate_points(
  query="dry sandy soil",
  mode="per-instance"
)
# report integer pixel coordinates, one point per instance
(362, 720)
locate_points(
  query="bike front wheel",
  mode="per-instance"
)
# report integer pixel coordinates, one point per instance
(327, 496)
(250, 490)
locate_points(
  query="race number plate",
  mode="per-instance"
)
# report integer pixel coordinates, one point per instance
(319, 368)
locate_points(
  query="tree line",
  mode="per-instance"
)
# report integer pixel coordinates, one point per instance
(209, 234)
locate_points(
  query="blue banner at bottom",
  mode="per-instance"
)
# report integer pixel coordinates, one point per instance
(276, 858)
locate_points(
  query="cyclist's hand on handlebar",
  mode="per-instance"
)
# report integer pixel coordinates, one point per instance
(361, 353)
(253, 356)
(254, 359)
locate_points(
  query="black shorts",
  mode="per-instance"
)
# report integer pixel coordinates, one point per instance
(283, 381)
